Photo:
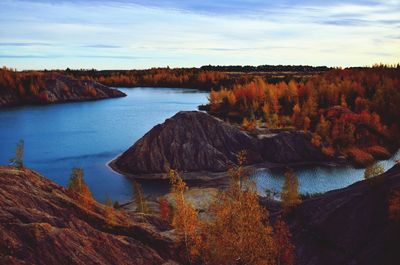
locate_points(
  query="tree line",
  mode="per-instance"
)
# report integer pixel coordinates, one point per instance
(347, 110)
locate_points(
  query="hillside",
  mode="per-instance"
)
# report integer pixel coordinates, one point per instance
(350, 225)
(20, 88)
(193, 141)
(41, 224)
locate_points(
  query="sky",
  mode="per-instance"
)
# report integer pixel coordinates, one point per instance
(139, 34)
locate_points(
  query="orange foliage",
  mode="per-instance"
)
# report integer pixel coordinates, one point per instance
(328, 151)
(359, 156)
(185, 220)
(239, 232)
(249, 125)
(164, 208)
(284, 247)
(306, 123)
(378, 152)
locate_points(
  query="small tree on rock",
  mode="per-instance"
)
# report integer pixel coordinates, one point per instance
(140, 201)
(185, 219)
(17, 161)
(78, 185)
(373, 170)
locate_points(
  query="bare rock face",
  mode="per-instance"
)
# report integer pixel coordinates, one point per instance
(41, 224)
(194, 141)
(350, 225)
(58, 88)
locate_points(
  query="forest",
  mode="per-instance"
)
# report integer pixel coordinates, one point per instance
(351, 112)
(348, 111)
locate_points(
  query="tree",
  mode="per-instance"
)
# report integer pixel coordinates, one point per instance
(164, 208)
(185, 220)
(78, 185)
(17, 161)
(306, 123)
(323, 129)
(373, 170)
(290, 192)
(239, 232)
(109, 212)
(282, 240)
(140, 201)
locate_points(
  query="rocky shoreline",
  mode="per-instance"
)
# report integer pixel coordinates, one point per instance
(203, 148)
(58, 88)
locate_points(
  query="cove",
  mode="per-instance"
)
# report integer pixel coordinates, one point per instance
(90, 134)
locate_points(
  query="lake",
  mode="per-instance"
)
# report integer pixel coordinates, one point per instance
(90, 134)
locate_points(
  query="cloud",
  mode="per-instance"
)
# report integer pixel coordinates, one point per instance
(101, 46)
(139, 33)
(27, 56)
(25, 44)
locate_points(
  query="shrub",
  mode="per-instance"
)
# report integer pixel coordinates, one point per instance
(360, 157)
(378, 152)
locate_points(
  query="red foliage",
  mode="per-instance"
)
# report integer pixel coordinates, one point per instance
(164, 208)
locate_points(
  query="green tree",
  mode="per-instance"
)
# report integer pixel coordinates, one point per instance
(290, 192)
(19, 153)
(373, 170)
(140, 201)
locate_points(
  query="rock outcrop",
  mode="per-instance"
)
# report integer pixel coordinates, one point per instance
(350, 225)
(56, 88)
(194, 141)
(41, 224)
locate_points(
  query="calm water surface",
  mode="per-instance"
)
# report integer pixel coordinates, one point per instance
(89, 134)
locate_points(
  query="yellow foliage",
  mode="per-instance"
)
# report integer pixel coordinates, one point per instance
(290, 192)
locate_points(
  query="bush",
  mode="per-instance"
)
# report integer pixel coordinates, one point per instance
(378, 152)
(360, 157)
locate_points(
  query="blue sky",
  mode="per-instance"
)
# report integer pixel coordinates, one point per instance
(126, 34)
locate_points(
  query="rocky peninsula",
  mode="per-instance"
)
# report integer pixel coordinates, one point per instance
(194, 142)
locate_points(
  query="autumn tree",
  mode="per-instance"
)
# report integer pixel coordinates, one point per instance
(78, 185)
(17, 161)
(140, 201)
(238, 231)
(109, 212)
(284, 246)
(373, 170)
(164, 208)
(306, 124)
(185, 219)
(323, 129)
(290, 192)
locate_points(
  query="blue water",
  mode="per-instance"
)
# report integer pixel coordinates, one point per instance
(89, 134)
(316, 179)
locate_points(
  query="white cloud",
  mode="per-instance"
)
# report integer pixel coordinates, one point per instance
(119, 35)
